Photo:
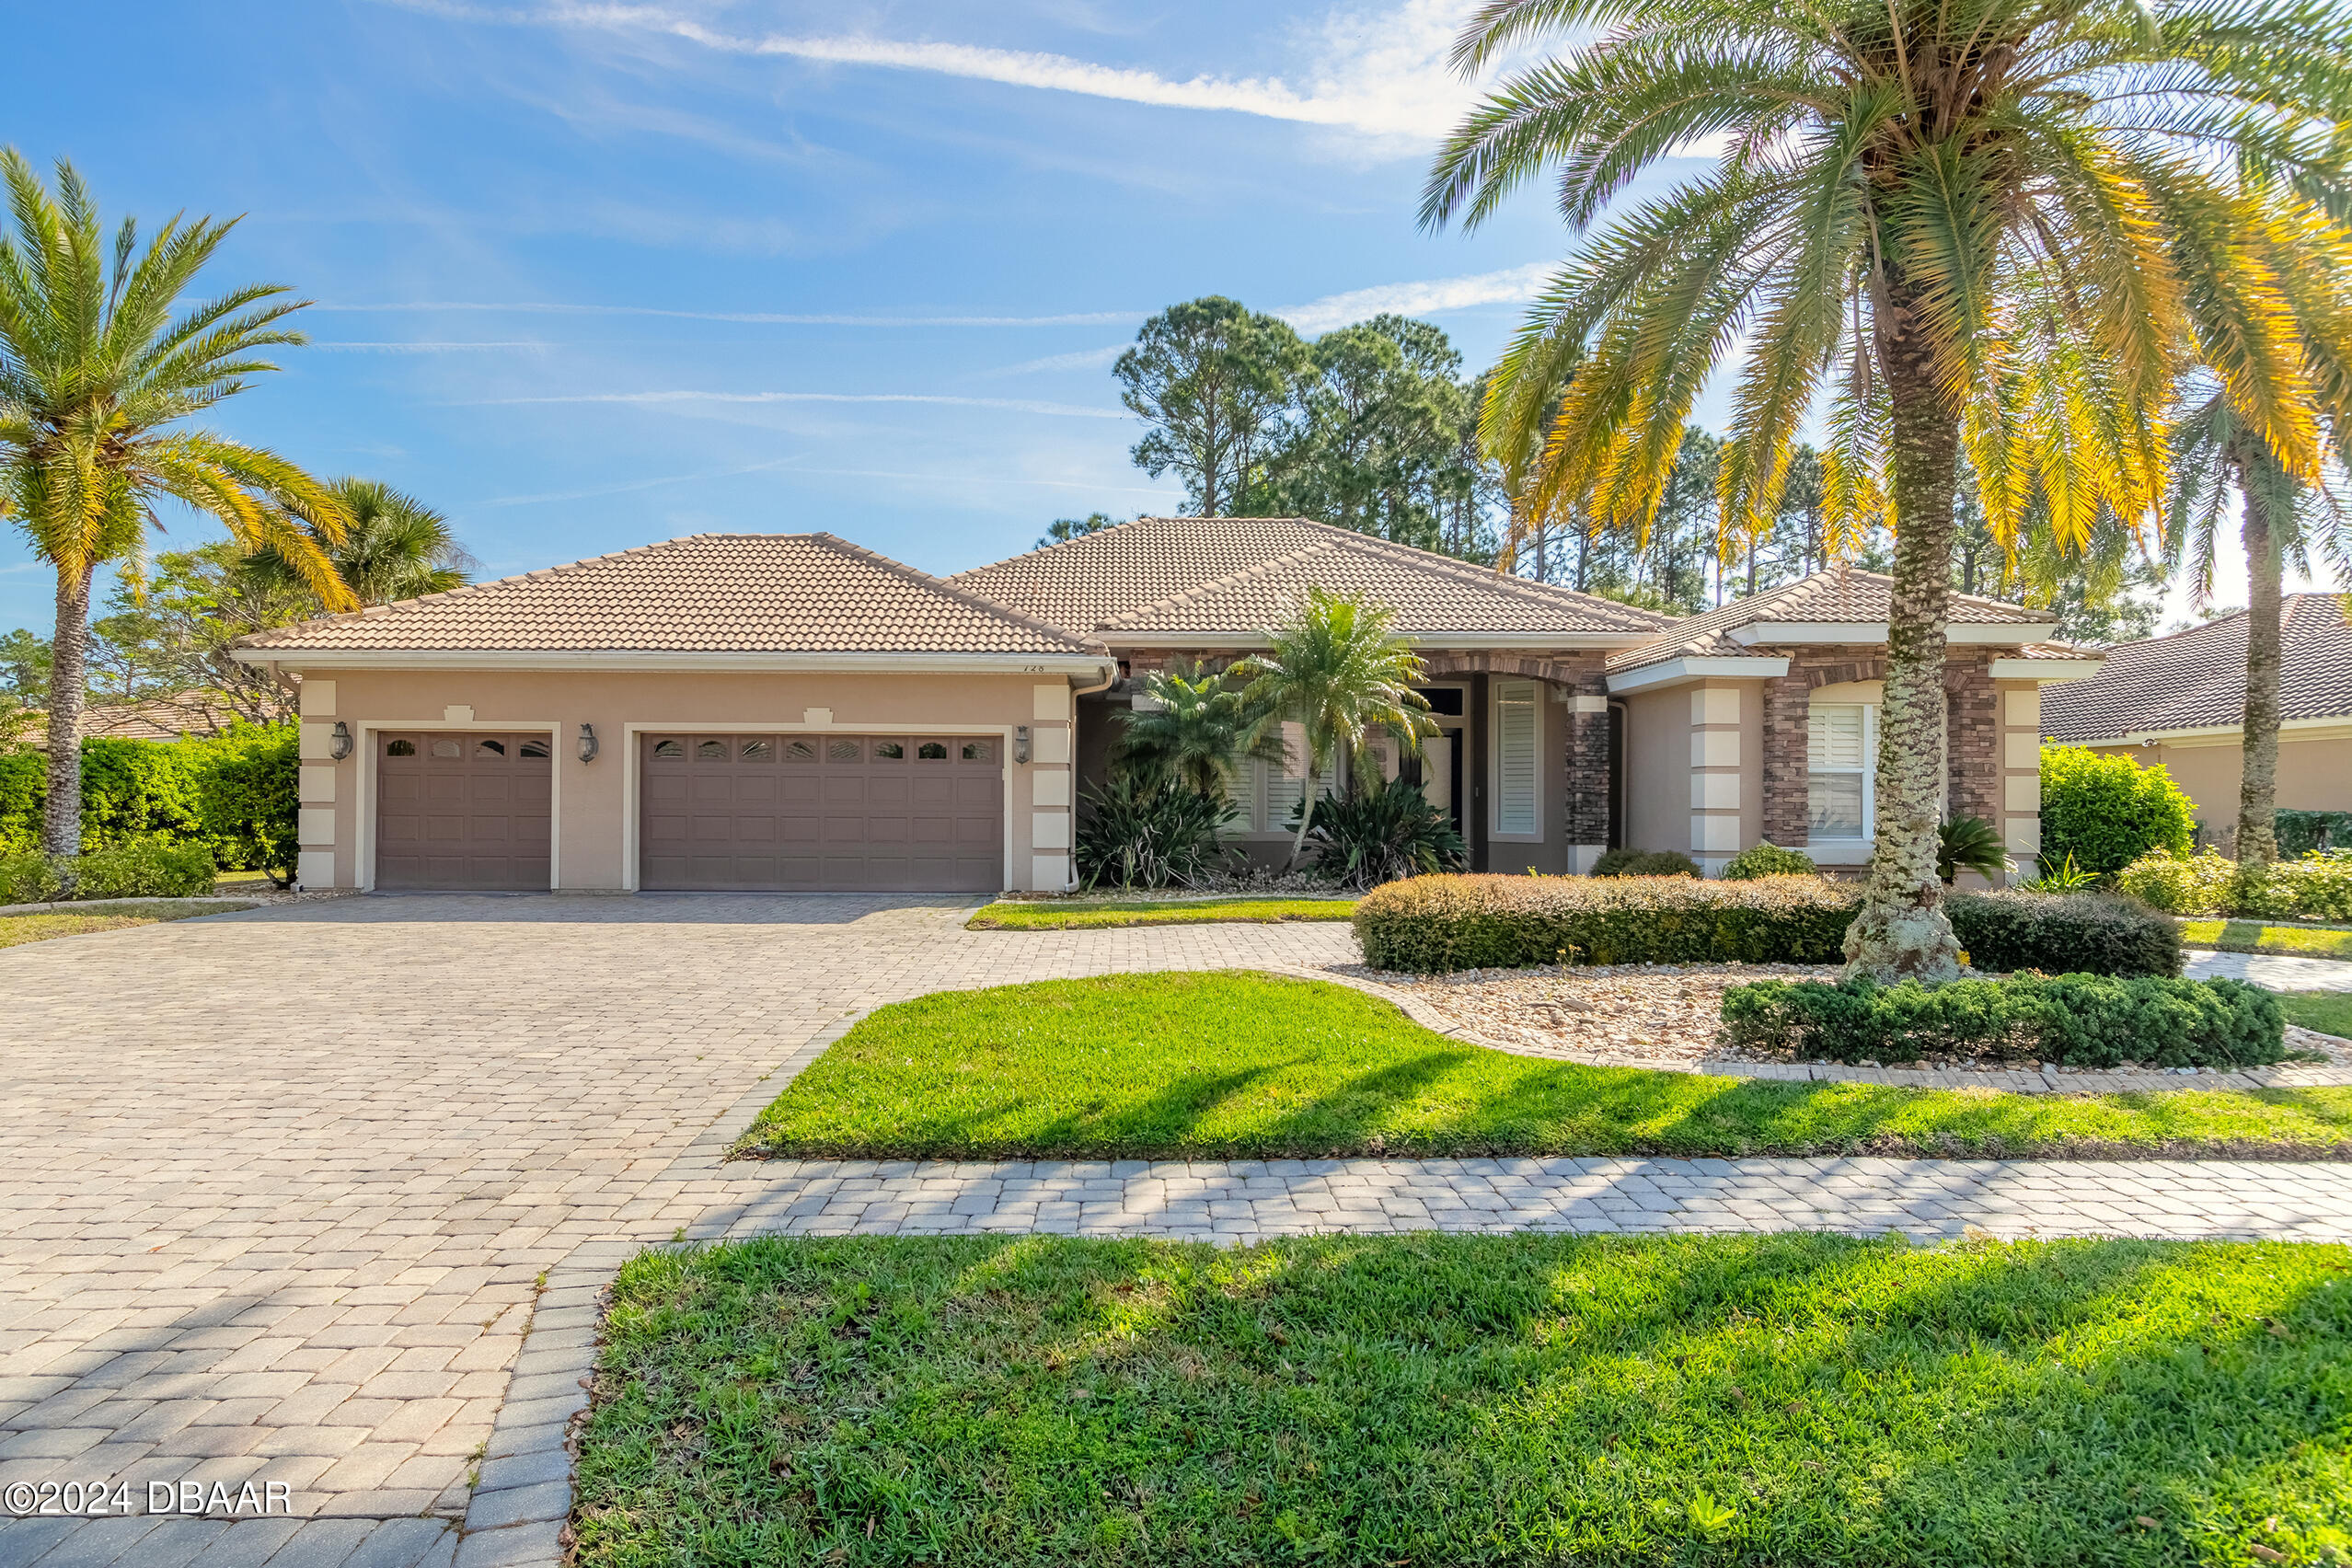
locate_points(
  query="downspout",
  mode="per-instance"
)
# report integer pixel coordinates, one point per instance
(1109, 678)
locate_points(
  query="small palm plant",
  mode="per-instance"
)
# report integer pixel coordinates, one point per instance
(1193, 726)
(1337, 670)
(95, 375)
(1970, 844)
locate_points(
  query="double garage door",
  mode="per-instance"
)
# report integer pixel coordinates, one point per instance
(822, 814)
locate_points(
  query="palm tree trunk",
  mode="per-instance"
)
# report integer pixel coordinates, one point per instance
(68, 694)
(2258, 776)
(1901, 931)
(1305, 815)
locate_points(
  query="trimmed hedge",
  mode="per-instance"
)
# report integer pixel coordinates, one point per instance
(1430, 925)
(146, 869)
(2080, 1020)
(235, 794)
(2064, 933)
(1646, 864)
(2317, 887)
(2106, 810)
(1768, 860)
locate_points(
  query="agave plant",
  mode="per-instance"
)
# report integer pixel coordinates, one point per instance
(1970, 844)
(1373, 836)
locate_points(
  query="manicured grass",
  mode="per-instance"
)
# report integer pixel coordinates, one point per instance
(17, 929)
(2329, 1012)
(1435, 1399)
(1023, 916)
(2253, 936)
(1240, 1064)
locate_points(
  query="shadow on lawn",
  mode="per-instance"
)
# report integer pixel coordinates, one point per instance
(1758, 1400)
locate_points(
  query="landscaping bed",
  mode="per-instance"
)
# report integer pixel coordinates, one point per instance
(1233, 1064)
(113, 915)
(1455, 1399)
(1035, 914)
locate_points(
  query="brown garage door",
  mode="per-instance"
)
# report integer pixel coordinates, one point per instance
(461, 810)
(823, 813)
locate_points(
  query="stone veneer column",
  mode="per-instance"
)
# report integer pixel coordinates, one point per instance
(1584, 771)
(1972, 736)
(1787, 739)
(1050, 785)
(317, 778)
(1715, 777)
(2020, 776)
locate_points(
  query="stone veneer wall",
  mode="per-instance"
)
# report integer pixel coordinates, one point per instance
(1973, 737)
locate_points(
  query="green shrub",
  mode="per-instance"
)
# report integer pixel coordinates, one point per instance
(2064, 933)
(138, 790)
(1768, 860)
(2299, 833)
(28, 877)
(1433, 924)
(24, 785)
(248, 795)
(147, 868)
(1646, 864)
(2082, 1020)
(1143, 831)
(1370, 836)
(2179, 884)
(2107, 811)
(2317, 887)
(1970, 844)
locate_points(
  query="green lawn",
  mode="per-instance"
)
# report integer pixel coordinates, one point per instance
(1436, 1400)
(2329, 1012)
(2253, 936)
(1235, 1063)
(17, 929)
(1019, 914)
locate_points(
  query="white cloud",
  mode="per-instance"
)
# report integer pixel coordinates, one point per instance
(775, 319)
(1084, 359)
(1015, 404)
(424, 348)
(628, 485)
(1428, 297)
(1381, 72)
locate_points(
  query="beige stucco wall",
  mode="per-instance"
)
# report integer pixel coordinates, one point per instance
(1658, 770)
(595, 801)
(2313, 775)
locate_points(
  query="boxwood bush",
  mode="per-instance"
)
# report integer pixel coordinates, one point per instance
(2064, 933)
(1646, 864)
(149, 868)
(1768, 860)
(2080, 1020)
(1430, 925)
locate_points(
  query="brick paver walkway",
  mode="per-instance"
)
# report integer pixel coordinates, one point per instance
(281, 1194)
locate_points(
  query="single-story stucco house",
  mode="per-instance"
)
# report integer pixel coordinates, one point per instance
(788, 711)
(2181, 701)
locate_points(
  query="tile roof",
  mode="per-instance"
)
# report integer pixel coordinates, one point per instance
(703, 593)
(1209, 576)
(2196, 679)
(1837, 594)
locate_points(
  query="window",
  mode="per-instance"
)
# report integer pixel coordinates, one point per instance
(1838, 786)
(888, 751)
(399, 748)
(1516, 724)
(800, 750)
(757, 750)
(842, 751)
(535, 748)
(669, 748)
(447, 749)
(932, 751)
(710, 751)
(489, 748)
(979, 751)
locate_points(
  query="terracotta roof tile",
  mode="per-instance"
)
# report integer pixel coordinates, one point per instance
(2196, 679)
(704, 593)
(1833, 595)
(1208, 576)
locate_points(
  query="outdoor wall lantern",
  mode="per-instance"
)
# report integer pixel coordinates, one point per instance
(587, 742)
(339, 742)
(1020, 742)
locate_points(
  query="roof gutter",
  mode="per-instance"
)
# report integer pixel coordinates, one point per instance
(1957, 633)
(1679, 672)
(1526, 642)
(654, 662)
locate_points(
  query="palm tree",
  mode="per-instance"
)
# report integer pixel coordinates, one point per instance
(95, 373)
(1991, 226)
(2281, 519)
(394, 547)
(1337, 670)
(1196, 730)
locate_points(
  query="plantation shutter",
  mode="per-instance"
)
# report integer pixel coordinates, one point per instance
(1515, 800)
(1837, 789)
(1286, 780)
(1836, 738)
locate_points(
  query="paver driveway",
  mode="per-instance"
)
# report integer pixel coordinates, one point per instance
(275, 1188)
(277, 1191)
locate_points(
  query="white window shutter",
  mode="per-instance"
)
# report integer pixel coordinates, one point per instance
(1516, 719)
(1835, 737)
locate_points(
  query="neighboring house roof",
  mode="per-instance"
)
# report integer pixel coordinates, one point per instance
(2196, 679)
(1837, 597)
(156, 718)
(703, 593)
(1230, 577)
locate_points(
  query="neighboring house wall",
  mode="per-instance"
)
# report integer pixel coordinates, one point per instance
(597, 804)
(2313, 775)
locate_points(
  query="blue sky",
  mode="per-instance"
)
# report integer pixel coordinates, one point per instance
(590, 276)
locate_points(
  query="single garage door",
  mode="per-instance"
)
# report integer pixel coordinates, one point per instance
(463, 811)
(822, 814)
